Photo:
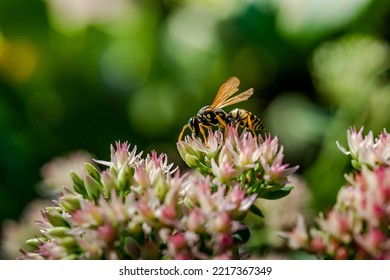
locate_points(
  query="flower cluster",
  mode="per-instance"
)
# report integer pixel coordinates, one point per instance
(253, 162)
(357, 227)
(367, 151)
(143, 208)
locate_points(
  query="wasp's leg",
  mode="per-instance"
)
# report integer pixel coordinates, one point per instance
(182, 132)
(202, 131)
(223, 123)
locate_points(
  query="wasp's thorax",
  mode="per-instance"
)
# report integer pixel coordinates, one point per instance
(208, 116)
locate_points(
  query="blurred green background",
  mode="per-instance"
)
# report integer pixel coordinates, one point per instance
(81, 74)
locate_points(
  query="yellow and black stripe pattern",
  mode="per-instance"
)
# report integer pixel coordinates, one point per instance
(246, 119)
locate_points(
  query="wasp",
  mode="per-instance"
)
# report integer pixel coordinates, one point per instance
(213, 115)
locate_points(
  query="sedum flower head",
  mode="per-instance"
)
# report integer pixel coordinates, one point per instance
(144, 208)
(252, 161)
(357, 227)
(366, 150)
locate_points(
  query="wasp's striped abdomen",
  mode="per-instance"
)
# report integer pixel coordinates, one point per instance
(246, 119)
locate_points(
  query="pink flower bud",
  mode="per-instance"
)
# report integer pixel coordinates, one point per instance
(177, 243)
(341, 253)
(222, 223)
(168, 214)
(195, 220)
(317, 245)
(107, 233)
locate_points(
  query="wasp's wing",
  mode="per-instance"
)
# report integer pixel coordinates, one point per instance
(227, 89)
(238, 98)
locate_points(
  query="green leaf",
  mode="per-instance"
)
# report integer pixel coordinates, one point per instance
(356, 164)
(256, 210)
(203, 169)
(272, 195)
(93, 187)
(78, 184)
(92, 170)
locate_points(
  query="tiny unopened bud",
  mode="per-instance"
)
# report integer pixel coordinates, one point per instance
(55, 217)
(58, 231)
(68, 242)
(195, 220)
(78, 184)
(92, 186)
(177, 242)
(92, 171)
(35, 242)
(70, 202)
(191, 160)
